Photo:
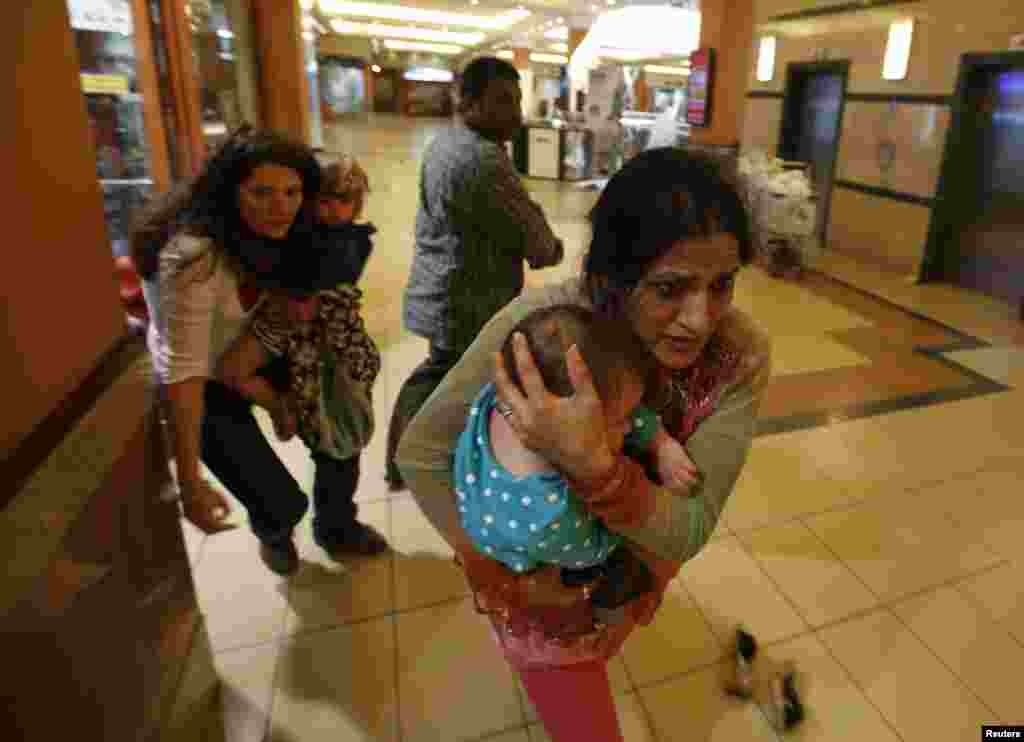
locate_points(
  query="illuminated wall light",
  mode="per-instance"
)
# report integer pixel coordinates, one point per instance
(660, 70)
(376, 68)
(506, 55)
(225, 34)
(309, 36)
(561, 47)
(413, 46)
(428, 74)
(407, 32)
(308, 5)
(766, 59)
(421, 15)
(897, 50)
(549, 58)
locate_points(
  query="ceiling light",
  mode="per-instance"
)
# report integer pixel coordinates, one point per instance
(421, 15)
(549, 58)
(413, 46)
(558, 34)
(428, 74)
(507, 54)
(660, 70)
(407, 32)
(308, 5)
(375, 68)
(561, 47)
(474, 2)
(309, 36)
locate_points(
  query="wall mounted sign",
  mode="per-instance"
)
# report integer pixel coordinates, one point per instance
(110, 16)
(698, 88)
(94, 84)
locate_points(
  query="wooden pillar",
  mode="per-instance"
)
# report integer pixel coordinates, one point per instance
(727, 26)
(189, 144)
(283, 84)
(149, 87)
(60, 274)
(521, 58)
(641, 92)
(370, 80)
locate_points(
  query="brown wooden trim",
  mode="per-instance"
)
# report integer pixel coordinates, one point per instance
(184, 82)
(149, 86)
(17, 468)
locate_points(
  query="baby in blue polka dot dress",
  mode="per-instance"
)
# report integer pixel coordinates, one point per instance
(515, 506)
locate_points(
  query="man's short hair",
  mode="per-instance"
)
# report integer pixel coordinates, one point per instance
(480, 72)
(609, 348)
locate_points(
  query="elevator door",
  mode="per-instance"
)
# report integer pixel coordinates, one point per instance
(992, 235)
(811, 125)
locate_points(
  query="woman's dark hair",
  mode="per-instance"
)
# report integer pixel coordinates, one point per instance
(207, 206)
(609, 348)
(478, 75)
(659, 197)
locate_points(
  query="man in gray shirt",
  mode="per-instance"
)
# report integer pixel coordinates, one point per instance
(475, 226)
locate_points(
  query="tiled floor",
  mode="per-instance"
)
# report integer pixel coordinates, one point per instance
(874, 538)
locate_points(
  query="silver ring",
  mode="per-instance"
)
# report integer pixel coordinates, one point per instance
(504, 409)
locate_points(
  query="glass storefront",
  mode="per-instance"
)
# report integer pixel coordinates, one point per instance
(221, 39)
(104, 33)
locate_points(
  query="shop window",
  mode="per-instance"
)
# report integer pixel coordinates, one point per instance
(221, 42)
(104, 33)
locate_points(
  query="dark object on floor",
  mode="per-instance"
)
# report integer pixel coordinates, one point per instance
(787, 709)
(281, 558)
(742, 682)
(395, 484)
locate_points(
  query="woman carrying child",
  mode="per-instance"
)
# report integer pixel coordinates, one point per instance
(670, 235)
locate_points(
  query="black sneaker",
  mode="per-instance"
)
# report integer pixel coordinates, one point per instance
(281, 558)
(362, 540)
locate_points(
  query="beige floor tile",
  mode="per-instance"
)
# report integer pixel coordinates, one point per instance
(326, 593)
(915, 692)
(677, 642)
(1000, 592)
(193, 539)
(781, 481)
(618, 679)
(694, 707)
(978, 651)
(1005, 365)
(424, 570)
(515, 735)
(453, 684)
(338, 686)
(242, 600)
(804, 354)
(731, 589)
(901, 545)
(632, 721)
(988, 507)
(247, 689)
(834, 707)
(821, 587)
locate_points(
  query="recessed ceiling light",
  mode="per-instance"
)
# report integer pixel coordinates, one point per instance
(376, 68)
(413, 46)
(407, 32)
(421, 15)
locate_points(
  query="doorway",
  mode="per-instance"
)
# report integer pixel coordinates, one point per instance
(812, 120)
(978, 222)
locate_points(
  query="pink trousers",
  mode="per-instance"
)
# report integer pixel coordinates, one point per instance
(569, 686)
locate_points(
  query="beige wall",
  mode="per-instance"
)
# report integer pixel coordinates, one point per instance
(945, 29)
(888, 232)
(877, 230)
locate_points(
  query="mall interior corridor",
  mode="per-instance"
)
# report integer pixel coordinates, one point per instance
(876, 537)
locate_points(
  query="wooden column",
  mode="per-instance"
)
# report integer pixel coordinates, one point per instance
(521, 58)
(189, 144)
(727, 26)
(60, 309)
(641, 92)
(283, 84)
(145, 67)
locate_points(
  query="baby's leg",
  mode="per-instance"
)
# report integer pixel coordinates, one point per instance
(238, 369)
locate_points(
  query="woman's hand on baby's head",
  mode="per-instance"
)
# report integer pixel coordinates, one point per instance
(570, 432)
